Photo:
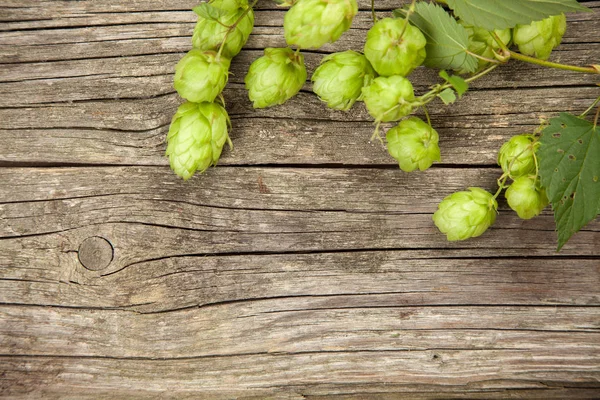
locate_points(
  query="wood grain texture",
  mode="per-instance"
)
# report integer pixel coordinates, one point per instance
(305, 266)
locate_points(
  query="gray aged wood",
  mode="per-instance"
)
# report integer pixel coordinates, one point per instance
(305, 266)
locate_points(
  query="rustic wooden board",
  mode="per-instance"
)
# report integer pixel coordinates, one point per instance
(306, 266)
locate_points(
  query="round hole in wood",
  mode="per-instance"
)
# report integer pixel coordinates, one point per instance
(95, 253)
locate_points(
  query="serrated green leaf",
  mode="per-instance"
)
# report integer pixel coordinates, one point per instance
(460, 85)
(448, 96)
(447, 40)
(206, 11)
(502, 14)
(570, 172)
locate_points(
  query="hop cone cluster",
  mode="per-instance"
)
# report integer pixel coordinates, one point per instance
(414, 144)
(309, 24)
(389, 98)
(395, 47)
(198, 129)
(467, 214)
(209, 33)
(201, 75)
(539, 38)
(340, 78)
(196, 137)
(275, 77)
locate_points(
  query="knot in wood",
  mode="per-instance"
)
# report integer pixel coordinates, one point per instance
(95, 253)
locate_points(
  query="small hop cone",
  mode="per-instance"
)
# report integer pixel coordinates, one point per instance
(394, 48)
(516, 156)
(466, 214)
(340, 78)
(414, 144)
(309, 24)
(275, 77)
(482, 43)
(389, 98)
(196, 137)
(526, 196)
(209, 33)
(539, 38)
(201, 75)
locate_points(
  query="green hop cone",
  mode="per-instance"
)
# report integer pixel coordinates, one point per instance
(196, 137)
(526, 196)
(210, 33)
(201, 75)
(309, 24)
(482, 43)
(275, 77)
(389, 98)
(467, 214)
(516, 156)
(394, 48)
(414, 143)
(539, 38)
(340, 78)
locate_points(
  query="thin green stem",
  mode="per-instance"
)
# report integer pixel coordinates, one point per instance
(549, 64)
(426, 114)
(373, 11)
(501, 181)
(482, 73)
(376, 133)
(409, 12)
(537, 168)
(490, 60)
(500, 42)
(590, 108)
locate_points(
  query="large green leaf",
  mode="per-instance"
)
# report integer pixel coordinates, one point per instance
(447, 40)
(570, 172)
(502, 14)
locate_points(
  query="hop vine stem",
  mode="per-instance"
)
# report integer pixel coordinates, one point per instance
(508, 54)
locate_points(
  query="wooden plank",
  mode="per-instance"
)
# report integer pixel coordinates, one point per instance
(297, 374)
(43, 273)
(247, 210)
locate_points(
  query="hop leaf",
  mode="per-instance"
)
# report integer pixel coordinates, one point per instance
(539, 38)
(516, 156)
(414, 144)
(201, 75)
(389, 98)
(495, 14)
(275, 77)
(309, 24)
(340, 78)
(196, 137)
(394, 48)
(467, 214)
(447, 40)
(570, 172)
(526, 196)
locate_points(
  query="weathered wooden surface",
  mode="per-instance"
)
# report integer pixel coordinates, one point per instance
(305, 266)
